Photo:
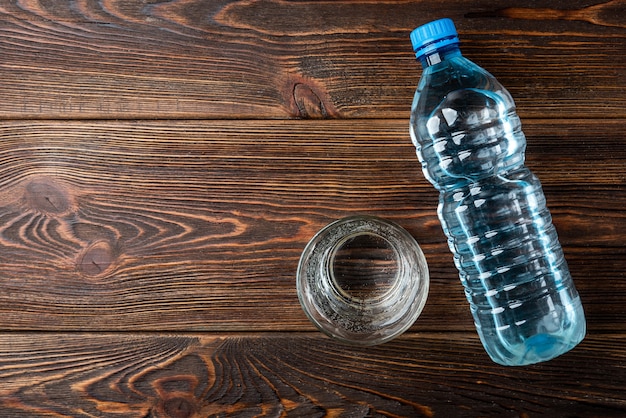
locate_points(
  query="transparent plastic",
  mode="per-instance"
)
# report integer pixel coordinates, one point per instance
(493, 210)
(362, 280)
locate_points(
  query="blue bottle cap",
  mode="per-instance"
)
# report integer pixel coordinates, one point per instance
(433, 35)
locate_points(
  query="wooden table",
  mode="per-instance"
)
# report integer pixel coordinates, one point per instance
(164, 163)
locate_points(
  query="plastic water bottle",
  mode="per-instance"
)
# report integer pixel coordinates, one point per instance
(491, 206)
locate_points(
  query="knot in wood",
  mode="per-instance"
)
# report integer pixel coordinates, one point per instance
(178, 407)
(96, 259)
(46, 196)
(308, 102)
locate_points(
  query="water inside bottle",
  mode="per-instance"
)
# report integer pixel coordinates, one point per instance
(493, 210)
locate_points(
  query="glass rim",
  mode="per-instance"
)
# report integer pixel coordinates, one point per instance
(362, 322)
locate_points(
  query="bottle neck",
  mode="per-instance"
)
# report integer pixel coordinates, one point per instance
(439, 55)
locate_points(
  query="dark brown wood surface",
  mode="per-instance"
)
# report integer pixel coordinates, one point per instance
(164, 163)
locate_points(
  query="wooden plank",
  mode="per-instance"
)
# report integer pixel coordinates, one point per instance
(440, 374)
(277, 59)
(191, 225)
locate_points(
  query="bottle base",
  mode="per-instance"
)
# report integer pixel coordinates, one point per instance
(538, 348)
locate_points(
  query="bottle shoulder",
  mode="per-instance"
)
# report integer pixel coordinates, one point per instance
(455, 73)
(464, 124)
(457, 69)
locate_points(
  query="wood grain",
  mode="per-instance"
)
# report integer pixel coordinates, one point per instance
(191, 225)
(158, 182)
(417, 375)
(259, 59)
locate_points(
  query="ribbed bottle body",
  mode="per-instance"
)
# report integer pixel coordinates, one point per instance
(516, 279)
(493, 211)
